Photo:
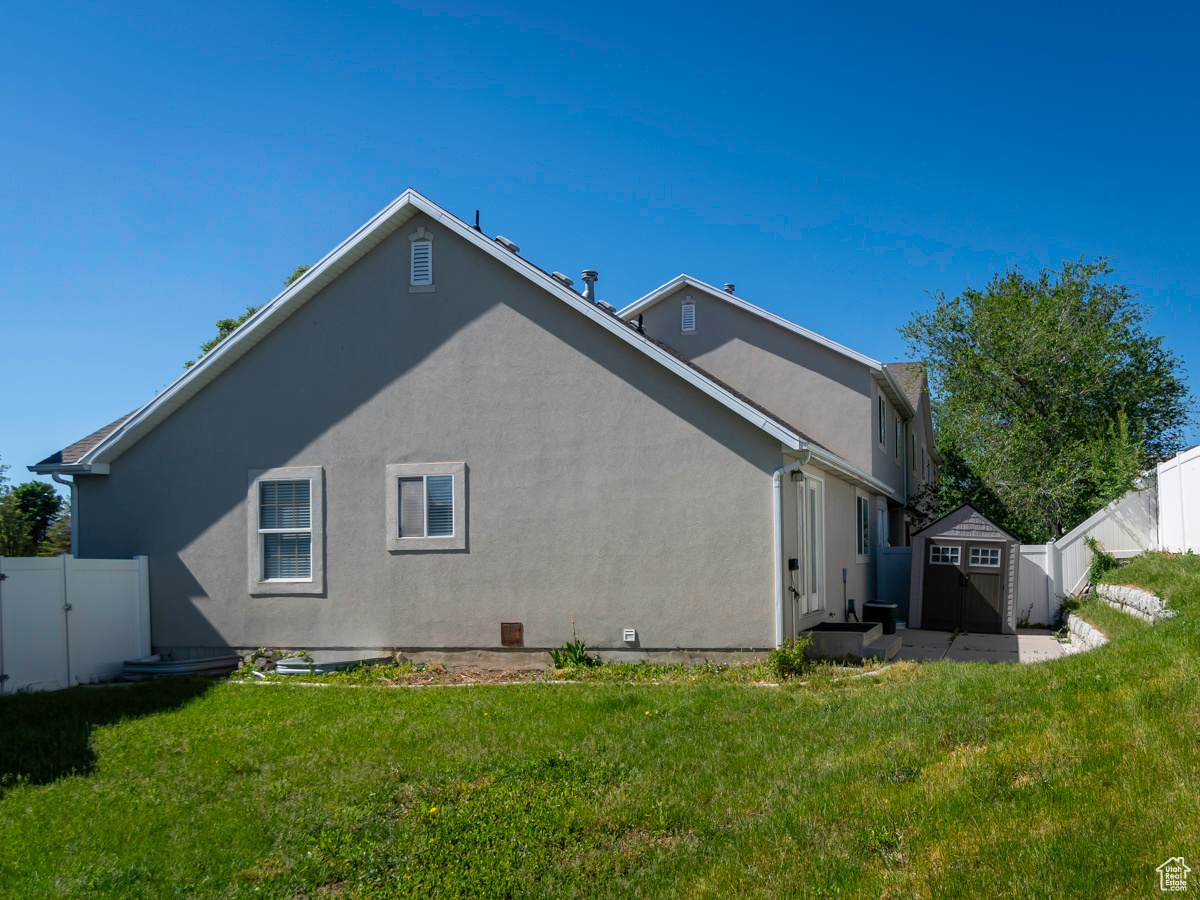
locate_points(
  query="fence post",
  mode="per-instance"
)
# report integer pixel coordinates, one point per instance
(144, 645)
(3, 674)
(1055, 565)
(66, 607)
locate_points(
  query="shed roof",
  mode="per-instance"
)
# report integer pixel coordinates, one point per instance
(942, 519)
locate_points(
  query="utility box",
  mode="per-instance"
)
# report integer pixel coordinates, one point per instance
(964, 575)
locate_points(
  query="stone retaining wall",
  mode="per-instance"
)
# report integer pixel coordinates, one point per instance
(1083, 636)
(1134, 601)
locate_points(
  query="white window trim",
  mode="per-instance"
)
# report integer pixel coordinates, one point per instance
(957, 554)
(685, 302)
(859, 498)
(984, 565)
(456, 541)
(899, 441)
(421, 234)
(315, 583)
(881, 423)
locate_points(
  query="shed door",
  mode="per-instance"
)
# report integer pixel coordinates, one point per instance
(983, 594)
(941, 603)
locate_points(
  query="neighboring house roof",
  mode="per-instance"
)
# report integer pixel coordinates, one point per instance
(911, 377)
(94, 453)
(885, 377)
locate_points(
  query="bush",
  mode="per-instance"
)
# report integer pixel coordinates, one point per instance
(787, 660)
(1102, 562)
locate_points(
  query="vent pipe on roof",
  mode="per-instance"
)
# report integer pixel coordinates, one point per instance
(729, 287)
(589, 277)
(561, 279)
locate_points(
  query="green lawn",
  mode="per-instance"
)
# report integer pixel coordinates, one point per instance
(1072, 778)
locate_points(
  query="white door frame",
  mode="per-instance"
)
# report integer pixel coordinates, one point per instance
(811, 601)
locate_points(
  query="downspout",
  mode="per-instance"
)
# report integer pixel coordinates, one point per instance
(777, 484)
(74, 512)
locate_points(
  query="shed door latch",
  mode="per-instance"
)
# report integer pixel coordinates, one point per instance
(3, 576)
(3, 677)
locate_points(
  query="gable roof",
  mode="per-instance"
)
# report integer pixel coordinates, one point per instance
(94, 453)
(971, 507)
(882, 373)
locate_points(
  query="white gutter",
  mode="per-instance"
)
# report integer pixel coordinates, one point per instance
(777, 496)
(74, 512)
(833, 463)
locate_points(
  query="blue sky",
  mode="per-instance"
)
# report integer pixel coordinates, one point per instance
(167, 165)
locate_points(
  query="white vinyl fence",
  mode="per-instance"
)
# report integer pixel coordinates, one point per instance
(1179, 502)
(66, 621)
(1124, 528)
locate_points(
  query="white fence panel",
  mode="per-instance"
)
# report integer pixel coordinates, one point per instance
(33, 626)
(1037, 599)
(1179, 502)
(106, 616)
(1124, 528)
(66, 621)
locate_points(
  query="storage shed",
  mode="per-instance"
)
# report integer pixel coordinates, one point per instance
(964, 575)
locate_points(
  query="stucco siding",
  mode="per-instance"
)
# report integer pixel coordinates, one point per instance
(598, 487)
(820, 391)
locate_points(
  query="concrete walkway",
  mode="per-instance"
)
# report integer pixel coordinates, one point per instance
(1027, 645)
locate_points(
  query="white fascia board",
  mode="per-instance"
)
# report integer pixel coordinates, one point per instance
(71, 469)
(895, 392)
(834, 463)
(683, 280)
(349, 251)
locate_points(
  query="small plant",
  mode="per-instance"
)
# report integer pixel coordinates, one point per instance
(787, 660)
(573, 654)
(1102, 562)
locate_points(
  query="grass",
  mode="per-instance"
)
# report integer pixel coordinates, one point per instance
(1071, 778)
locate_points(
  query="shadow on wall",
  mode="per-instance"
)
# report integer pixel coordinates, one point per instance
(48, 736)
(208, 438)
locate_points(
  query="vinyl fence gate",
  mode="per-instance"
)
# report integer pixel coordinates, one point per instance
(67, 621)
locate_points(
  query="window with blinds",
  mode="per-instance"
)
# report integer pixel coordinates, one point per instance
(426, 506)
(689, 317)
(285, 529)
(422, 263)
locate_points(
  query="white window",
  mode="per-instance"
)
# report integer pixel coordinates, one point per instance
(985, 556)
(426, 506)
(285, 512)
(688, 318)
(942, 555)
(862, 529)
(420, 269)
(882, 422)
(285, 527)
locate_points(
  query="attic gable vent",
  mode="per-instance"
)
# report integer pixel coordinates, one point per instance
(420, 273)
(688, 323)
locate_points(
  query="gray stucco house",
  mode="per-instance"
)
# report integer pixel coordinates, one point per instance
(428, 440)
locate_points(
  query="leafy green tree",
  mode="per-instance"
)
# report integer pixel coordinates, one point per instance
(1049, 394)
(16, 528)
(58, 535)
(226, 327)
(41, 504)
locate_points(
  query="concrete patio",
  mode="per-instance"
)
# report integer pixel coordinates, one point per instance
(1027, 645)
